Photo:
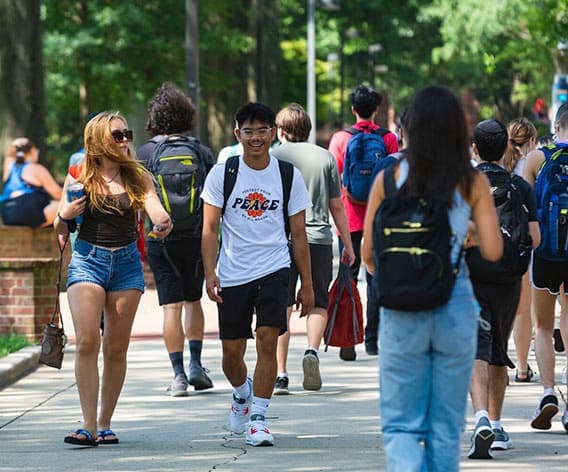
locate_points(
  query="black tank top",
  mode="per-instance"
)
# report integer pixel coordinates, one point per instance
(109, 229)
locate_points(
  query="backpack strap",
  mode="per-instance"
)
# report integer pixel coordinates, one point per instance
(231, 170)
(389, 183)
(380, 131)
(287, 175)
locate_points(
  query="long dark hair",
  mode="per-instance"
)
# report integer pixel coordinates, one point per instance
(438, 146)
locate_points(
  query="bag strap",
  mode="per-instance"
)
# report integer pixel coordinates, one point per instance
(389, 183)
(286, 175)
(230, 178)
(57, 309)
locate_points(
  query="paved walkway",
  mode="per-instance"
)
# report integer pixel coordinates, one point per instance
(335, 429)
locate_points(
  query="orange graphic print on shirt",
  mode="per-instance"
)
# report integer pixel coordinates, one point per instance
(256, 204)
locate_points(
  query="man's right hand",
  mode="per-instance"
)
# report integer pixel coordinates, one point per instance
(213, 287)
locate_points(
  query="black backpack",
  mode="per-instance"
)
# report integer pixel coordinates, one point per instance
(179, 167)
(513, 217)
(286, 175)
(412, 241)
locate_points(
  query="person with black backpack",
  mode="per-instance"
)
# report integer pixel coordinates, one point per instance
(497, 286)
(417, 219)
(360, 152)
(179, 164)
(263, 202)
(546, 169)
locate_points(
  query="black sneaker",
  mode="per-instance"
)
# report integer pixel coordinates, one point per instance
(347, 353)
(372, 348)
(281, 386)
(546, 409)
(481, 440)
(198, 377)
(558, 343)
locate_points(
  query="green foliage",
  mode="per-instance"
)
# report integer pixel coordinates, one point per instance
(11, 343)
(104, 54)
(98, 56)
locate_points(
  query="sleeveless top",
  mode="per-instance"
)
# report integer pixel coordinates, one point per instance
(109, 229)
(459, 215)
(15, 183)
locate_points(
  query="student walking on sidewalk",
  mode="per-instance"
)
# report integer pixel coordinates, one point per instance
(176, 260)
(318, 168)
(105, 272)
(427, 355)
(254, 262)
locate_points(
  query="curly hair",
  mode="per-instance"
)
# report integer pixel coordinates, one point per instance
(521, 131)
(99, 143)
(170, 111)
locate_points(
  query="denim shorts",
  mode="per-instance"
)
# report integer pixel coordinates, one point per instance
(112, 269)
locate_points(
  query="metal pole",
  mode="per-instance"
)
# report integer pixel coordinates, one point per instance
(259, 51)
(192, 58)
(311, 79)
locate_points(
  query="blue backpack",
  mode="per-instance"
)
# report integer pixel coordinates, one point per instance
(551, 189)
(364, 152)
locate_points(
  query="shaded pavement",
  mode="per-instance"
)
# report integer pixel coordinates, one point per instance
(335, 429)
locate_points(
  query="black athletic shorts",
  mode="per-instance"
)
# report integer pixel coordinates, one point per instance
(548, 275)
(321, 258)
(498, 307)
(267, 297)
(26, 210)
(177, 268)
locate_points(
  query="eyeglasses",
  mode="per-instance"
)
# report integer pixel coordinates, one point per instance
(119, 136)
(248, 133)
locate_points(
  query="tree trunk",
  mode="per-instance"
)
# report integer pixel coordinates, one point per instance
(22, 107)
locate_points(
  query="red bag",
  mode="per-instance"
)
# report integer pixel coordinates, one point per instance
(345, 312)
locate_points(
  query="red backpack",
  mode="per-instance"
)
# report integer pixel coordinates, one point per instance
(345, 312)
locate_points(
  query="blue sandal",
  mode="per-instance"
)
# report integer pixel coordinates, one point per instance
(87, 442)
(101, 435)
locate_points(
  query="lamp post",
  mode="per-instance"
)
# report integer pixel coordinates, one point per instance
(311, 78)
(311, 66)
(192, 57)
(373, 49)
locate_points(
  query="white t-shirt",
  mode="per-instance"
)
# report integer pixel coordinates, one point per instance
(254, 242)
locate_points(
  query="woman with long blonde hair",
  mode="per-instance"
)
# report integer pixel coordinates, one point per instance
(105, 273)
(522, 140)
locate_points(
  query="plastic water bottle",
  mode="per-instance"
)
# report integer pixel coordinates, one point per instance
(75, 191)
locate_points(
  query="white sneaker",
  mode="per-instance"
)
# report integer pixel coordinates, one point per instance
(178, 387)
(258, 433)
(240, 411)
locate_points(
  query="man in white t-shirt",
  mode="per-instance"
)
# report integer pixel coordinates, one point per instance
(252, 273)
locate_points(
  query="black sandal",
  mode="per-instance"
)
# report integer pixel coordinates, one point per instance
(527, 377)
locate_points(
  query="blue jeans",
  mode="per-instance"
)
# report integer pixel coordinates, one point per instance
(425, 363)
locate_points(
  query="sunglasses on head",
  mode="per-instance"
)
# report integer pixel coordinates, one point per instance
(119, 136)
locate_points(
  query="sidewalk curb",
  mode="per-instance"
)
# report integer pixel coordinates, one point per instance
(18, 364)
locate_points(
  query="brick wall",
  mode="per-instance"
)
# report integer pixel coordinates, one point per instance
(21, 241)
(27, 295)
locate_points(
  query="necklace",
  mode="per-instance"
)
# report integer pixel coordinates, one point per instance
(108, 182)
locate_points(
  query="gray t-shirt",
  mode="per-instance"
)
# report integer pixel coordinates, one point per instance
(319, 170)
